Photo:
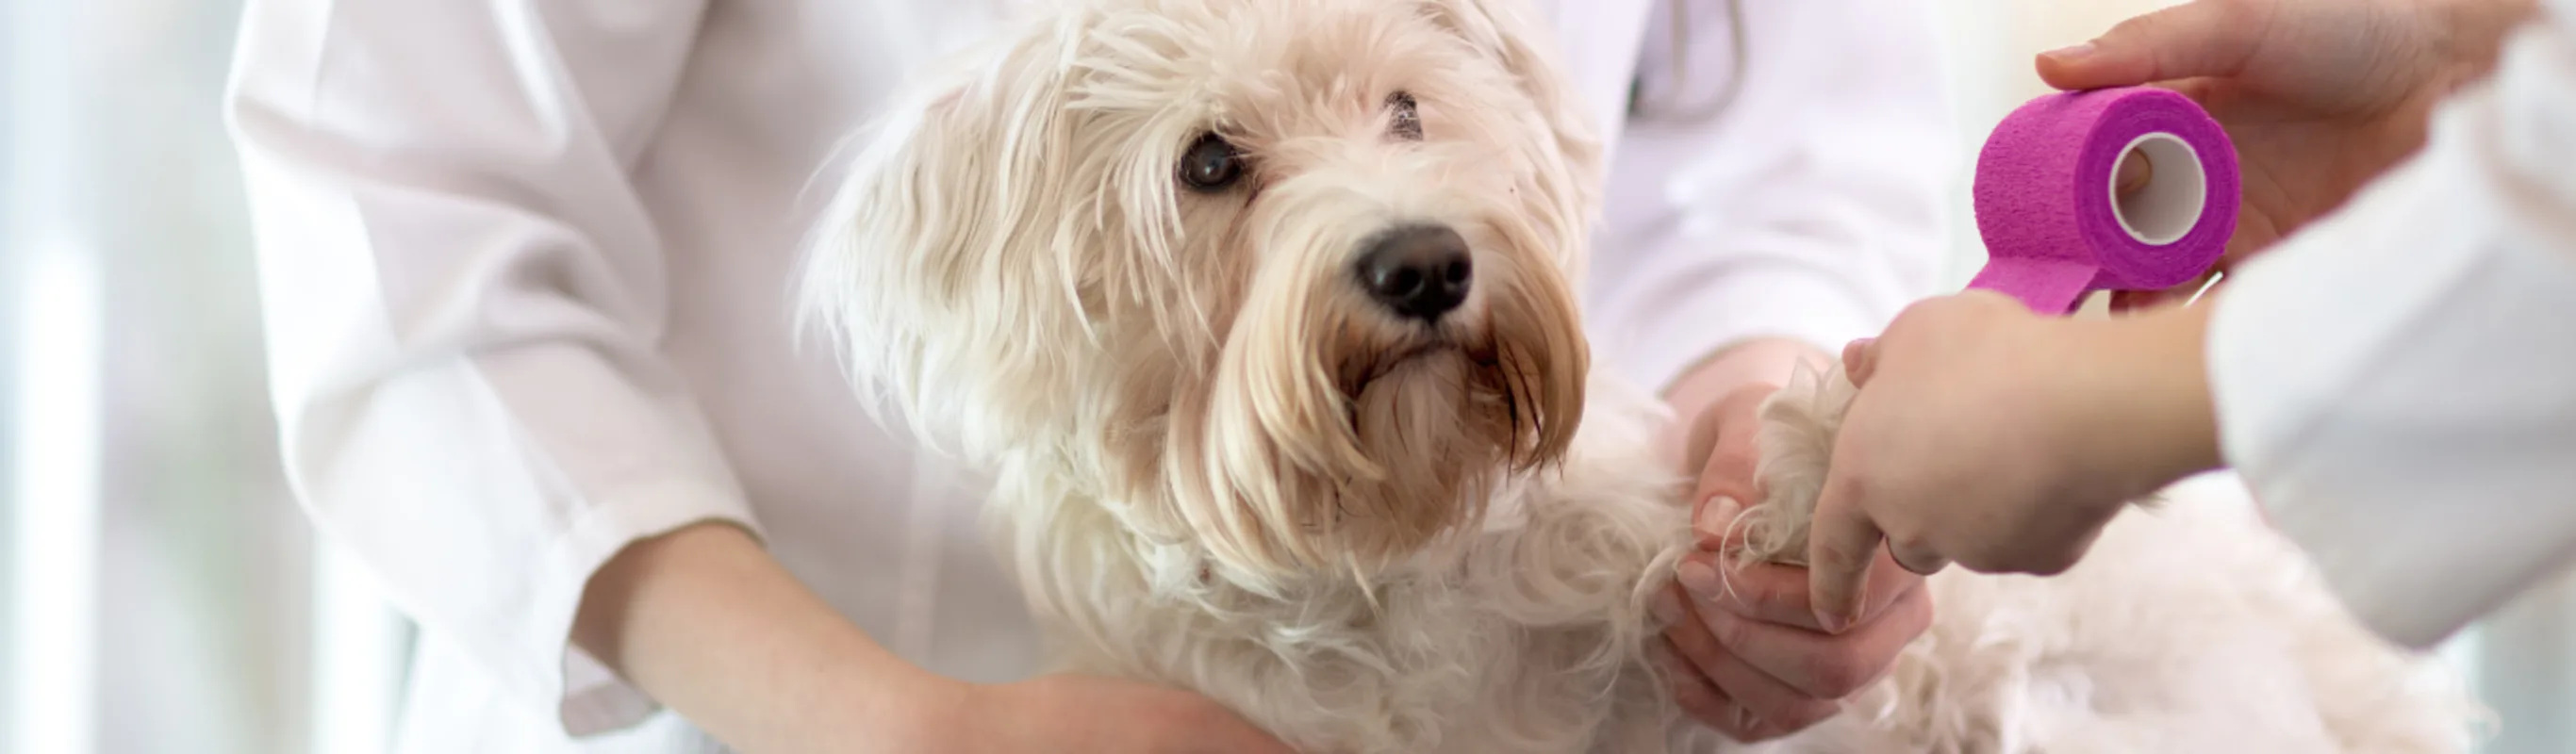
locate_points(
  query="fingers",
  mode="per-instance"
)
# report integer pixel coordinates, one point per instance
(1772, 593)
(1860, 360)
(1712, 708)
(1723, 444)
(1713, 526)
(1703, 702)
(1752, 699)
(1704, 431)
(1727, 470)
(2136, 170)
(1920, 561)
(1841, 543)
(2203, 38)
(1766, 699)
(1796, 668)
(1683, 650)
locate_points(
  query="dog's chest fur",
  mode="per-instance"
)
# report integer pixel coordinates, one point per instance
(1526, 634)
(2188, 630)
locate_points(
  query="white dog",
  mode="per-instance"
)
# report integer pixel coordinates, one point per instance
(1261, 315)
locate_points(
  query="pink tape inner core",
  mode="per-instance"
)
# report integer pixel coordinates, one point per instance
(2167, 208)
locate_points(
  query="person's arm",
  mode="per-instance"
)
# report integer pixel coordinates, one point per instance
(2320, 96)
(2395, 382)
(1989, 435)
(1765, 204)
(2398, 383)
(716, 628)
(463, 294)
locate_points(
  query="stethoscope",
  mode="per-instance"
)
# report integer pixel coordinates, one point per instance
(1681, 33)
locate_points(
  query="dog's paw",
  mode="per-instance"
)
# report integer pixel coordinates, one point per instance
(1797, 441)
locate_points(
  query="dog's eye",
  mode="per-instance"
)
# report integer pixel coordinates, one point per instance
(1211, 164)
(1408, 121)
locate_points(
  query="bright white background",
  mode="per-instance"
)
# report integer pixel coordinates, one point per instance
(159, 591)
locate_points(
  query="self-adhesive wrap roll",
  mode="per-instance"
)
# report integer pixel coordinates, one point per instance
(2055, 224)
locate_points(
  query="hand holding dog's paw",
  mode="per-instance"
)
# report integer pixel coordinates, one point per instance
(1747, 655)
(1990, 436)
(1079, 714)
(1749, 659)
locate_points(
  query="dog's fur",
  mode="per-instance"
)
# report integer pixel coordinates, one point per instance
(1218, 464)
(2189, 627)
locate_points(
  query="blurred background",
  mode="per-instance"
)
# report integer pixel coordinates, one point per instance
(159, 591)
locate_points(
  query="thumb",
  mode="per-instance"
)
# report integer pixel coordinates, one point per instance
(1860, 360)
(1841, 544)
(2200, 38)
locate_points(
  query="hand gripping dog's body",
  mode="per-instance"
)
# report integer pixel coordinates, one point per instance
(1261, 316)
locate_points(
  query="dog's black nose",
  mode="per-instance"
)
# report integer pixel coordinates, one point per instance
(1417, 271)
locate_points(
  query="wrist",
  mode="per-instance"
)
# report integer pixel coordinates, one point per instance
(705, 621)
(913, 710)
(2156, 423)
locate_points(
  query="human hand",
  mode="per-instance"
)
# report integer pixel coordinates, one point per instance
(2319, 96)
(1746, 652)
(1990, 436)
(1077, 714)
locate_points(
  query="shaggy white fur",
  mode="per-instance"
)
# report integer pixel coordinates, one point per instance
(1122, 261)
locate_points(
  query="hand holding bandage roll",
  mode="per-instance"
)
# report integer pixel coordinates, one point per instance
(2113, 189)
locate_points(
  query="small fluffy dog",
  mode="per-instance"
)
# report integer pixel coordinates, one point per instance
(1261, 315)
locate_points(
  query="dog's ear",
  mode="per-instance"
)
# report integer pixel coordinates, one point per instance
(937, 268)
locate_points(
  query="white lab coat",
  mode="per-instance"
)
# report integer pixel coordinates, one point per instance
(524, 265)
(2397, 383)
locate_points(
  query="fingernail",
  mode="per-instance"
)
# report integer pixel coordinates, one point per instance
(1834, 624)
(2071, 52)
(1697, 577)
(1716, 515)
(1667, 608)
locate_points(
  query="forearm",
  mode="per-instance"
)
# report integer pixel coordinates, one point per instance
(714, 628)
(2396, 383)
(2151, 420)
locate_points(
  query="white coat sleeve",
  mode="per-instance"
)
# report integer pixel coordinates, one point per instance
(462, 296)
(1810, 207)
(2397, 383)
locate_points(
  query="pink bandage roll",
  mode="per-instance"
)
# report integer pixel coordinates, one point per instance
(2054, 222)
